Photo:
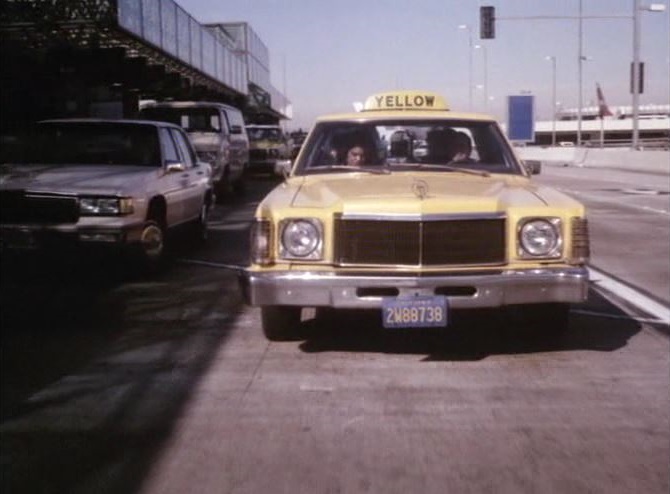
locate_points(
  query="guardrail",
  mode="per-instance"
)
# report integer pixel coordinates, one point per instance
(662, 143)
(647, 161)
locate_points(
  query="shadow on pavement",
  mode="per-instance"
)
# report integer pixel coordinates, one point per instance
(470, 336)
(97, 366)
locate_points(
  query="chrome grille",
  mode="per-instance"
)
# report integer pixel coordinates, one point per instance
(420, 243)
(17, 206)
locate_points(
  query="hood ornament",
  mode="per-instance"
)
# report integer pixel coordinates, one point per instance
(420, 188)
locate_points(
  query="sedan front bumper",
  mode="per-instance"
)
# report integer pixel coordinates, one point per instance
(509, 287)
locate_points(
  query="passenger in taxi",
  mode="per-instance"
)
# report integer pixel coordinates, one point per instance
(355, 156)
(462, 147)
(441, 145)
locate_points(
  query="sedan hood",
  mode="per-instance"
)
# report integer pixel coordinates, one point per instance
(93, 179)
(411, 193)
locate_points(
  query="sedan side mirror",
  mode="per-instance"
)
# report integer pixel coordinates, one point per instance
(174, 167)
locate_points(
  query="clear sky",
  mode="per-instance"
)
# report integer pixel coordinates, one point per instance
(326, 55)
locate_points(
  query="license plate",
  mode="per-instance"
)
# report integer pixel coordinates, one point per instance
(414, 312)
(18, 239)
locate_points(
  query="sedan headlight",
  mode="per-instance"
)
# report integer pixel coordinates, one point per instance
(301, 238)
(105, 206)
(540, 238)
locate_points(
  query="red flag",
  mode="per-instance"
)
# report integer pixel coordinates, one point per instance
(603, 109)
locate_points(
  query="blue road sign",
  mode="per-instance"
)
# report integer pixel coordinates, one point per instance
(521, 118)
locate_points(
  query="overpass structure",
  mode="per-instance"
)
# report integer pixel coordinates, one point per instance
(64, 58)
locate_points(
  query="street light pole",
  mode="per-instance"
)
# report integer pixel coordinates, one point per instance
(465, 26)
(635, 72)
(635, 83)
(486, 76)
(579, 65)
(553, 98)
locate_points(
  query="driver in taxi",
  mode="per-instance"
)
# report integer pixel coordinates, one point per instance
(355, 156)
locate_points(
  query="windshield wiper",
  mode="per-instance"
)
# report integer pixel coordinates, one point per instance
(366, 169)
(449, 168)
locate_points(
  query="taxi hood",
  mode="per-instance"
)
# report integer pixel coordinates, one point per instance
(412, 193)
(96, 179)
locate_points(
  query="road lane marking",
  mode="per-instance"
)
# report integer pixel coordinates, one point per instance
(615, 316)
(605, 200)
(211, 264)
(659, 311)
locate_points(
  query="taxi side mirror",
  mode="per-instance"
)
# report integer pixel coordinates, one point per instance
(283, 168)
(533, 167)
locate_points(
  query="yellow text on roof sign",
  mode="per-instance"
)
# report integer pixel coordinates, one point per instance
(405, 100)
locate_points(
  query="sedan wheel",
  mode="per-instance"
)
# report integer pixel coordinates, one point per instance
(201, 223)
(152, 243)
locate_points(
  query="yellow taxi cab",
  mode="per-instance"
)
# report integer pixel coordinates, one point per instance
(415, 211)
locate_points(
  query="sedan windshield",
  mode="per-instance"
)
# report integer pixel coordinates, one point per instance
(264, 134)
(448, 146)
(89, 143)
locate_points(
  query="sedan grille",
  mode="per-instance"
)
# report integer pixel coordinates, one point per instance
(17, 206)
(471, 241)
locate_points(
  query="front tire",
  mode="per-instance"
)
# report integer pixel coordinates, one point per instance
(201, 233)
(151, 250)
(281, 323)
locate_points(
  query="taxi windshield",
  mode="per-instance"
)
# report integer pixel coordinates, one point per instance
(437, 145)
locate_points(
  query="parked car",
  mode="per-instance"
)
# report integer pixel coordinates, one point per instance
(218, 133)
(84, 183)
(267, 146)
(463, 227)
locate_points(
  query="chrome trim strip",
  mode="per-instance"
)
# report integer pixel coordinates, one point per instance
(420, 217)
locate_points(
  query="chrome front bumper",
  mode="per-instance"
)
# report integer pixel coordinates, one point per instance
(316, 289)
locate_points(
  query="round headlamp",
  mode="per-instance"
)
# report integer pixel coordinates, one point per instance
(301, 239)
(540, 238)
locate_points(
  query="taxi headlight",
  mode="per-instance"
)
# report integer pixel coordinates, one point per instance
(105, 206)
(301, 239)
(540, 237)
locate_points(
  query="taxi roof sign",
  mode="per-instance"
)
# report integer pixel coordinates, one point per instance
(405, 100)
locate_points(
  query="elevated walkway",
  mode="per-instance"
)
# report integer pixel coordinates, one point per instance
(125, 50)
